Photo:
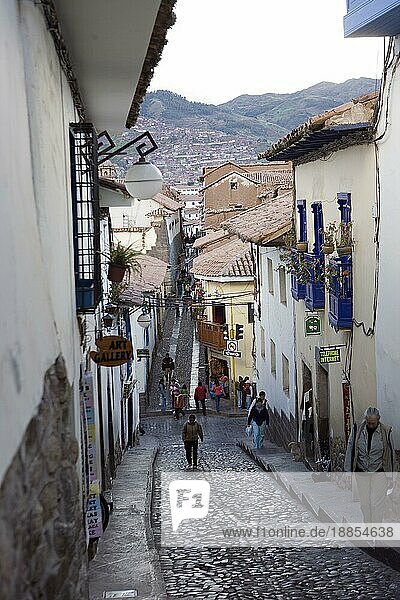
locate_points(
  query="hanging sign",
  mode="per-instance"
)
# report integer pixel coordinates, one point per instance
(329, 354)
(312, 324)
(94, 522)
(114, 350)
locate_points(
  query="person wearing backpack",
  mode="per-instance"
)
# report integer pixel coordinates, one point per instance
(200, 395)
(191, 433)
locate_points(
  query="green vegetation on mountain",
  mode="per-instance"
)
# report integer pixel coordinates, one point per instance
(263, 117)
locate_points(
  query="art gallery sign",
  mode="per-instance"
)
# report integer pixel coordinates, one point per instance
(113, 350)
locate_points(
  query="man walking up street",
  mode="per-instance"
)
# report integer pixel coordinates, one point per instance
(370, 455)
(167, 367)
(200, 394)
(191, 432)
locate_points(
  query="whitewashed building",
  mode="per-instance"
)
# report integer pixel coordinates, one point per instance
(275, 372)
(381, 19)
(336, 360)
(68, 71)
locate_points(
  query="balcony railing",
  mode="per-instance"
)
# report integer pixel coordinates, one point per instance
(211, 335)
(298, 289)
(315, 290)
(340, 293)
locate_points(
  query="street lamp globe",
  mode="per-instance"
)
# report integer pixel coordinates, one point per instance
(144, 320)
(143, 180)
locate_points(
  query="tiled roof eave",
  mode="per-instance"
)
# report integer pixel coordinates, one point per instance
(165, 20)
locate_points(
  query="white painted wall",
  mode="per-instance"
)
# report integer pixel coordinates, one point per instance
(388, 322)
(350, 170)
(276, 319)
(37, 308)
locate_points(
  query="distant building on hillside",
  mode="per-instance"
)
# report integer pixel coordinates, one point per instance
(230, 189)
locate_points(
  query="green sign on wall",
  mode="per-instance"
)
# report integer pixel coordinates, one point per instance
(312, 324)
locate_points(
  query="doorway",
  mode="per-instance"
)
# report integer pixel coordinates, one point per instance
(322, 410)
(307, 414)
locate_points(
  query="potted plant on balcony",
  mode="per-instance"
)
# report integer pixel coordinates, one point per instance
(122, 259)
(302, 246)
(345, 243)
(329, 234)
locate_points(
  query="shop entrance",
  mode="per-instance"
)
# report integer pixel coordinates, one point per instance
(322, 402)
(307, 414)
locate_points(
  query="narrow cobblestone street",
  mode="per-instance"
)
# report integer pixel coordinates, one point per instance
(156, 570)
(273, 573)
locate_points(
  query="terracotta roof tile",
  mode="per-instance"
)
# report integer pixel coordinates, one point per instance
(167, 202)
(264, 223)
(230, 260)
(358, 110)
(150, 279)
(210, 238)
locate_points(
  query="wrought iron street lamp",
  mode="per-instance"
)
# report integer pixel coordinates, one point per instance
(143, 179)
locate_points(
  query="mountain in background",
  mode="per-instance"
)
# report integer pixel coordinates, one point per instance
(265, 117)
(193, 135)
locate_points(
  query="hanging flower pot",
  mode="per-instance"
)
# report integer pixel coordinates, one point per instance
(116, 273)
(328, 248)
(343, 250)
(302, 246)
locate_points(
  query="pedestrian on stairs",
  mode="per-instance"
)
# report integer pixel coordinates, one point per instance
(258, 419)
(191, 433)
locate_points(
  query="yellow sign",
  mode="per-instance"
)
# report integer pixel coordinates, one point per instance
(329, 355)
(114, 350)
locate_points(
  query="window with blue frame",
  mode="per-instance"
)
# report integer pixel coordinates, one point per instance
(85, 213)
(315, 290)
(339, 271)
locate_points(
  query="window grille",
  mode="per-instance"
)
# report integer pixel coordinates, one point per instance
(86, 219)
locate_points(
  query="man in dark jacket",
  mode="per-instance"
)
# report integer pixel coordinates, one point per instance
(191, 432)
(167, 366)
(258, 419)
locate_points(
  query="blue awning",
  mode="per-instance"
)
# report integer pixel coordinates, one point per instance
(315, 140)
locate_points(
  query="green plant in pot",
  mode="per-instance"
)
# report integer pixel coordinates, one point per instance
(329, 234)
(345, 243)
(122, 259)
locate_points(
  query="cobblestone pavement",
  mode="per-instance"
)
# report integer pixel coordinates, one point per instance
(183, 356)
(271, 573)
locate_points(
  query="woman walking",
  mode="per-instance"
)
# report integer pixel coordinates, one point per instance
(218, 392)
(258, 419)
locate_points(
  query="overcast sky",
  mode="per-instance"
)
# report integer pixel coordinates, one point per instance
(220, 49)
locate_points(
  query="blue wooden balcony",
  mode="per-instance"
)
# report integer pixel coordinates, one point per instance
(372, 18)
(298, 289)
(341, 293)
(315, 290)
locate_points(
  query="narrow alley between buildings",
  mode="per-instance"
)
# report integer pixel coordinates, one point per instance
(132, 557)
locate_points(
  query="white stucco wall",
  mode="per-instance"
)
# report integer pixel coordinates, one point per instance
(351, 170)
(276, 319)
(37, 308)
(388, 322)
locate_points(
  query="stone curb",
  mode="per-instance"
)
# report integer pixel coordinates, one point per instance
(388, 556)
(159, 591)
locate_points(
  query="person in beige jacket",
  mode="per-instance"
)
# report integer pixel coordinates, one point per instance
(370, 455)
(191, 432)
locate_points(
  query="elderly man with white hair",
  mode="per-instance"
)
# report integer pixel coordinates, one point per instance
(370, 455)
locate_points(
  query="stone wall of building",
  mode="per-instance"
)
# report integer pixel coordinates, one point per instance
(42, 542)
(282, 429)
